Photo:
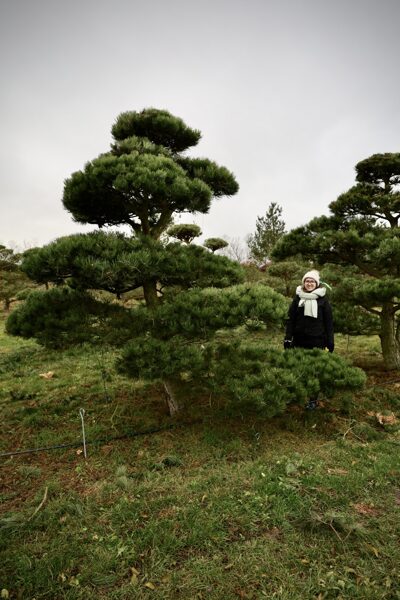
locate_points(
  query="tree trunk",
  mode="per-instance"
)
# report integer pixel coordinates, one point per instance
(170, 397)
(150, 294)
(389, 342)
(151, 298)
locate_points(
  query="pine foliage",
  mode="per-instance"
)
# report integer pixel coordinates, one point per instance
(184, 232)
(250, 376)
(349, 316)
(266, 380)
(57, 318)
(215, 244)
(116, 263)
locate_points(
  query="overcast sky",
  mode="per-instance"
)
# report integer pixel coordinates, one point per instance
(288, 94)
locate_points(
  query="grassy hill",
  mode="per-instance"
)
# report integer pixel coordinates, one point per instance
(207, 506)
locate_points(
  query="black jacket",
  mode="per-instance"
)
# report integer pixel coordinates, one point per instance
(308, 332)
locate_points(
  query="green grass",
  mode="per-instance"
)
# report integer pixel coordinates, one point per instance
(299, 506)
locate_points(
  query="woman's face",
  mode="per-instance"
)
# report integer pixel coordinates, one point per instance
(309, 284)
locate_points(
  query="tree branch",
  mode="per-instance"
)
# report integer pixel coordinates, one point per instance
(135, 226)
(366, 268)
(371, 310)
(161, 224)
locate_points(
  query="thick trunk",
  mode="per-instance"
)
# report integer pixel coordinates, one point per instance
(162, 224)
(389, 341)
(150, 294)
(170, 397)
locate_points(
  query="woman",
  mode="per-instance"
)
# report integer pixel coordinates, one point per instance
(310, 323)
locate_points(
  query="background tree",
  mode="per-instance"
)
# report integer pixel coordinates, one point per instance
(190, 294)
(363, 232)
(184, 232)
(284, 276)
(215, 244)
(236, 249)
(13, 282)
(9, 260)
(269, 229)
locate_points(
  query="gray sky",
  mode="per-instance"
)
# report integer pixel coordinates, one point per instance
(288, 94)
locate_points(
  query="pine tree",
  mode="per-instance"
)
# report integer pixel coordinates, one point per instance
(13, 282)
(362, 232)
(269, 229)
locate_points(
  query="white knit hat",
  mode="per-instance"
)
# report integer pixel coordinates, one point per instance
(312, 275)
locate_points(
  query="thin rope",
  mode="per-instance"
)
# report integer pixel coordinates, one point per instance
(99, 441)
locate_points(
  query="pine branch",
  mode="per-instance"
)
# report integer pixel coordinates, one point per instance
(162, 223)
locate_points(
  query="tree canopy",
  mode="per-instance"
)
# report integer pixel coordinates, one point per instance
(184, 232)
(215, 244)
(143, 180)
